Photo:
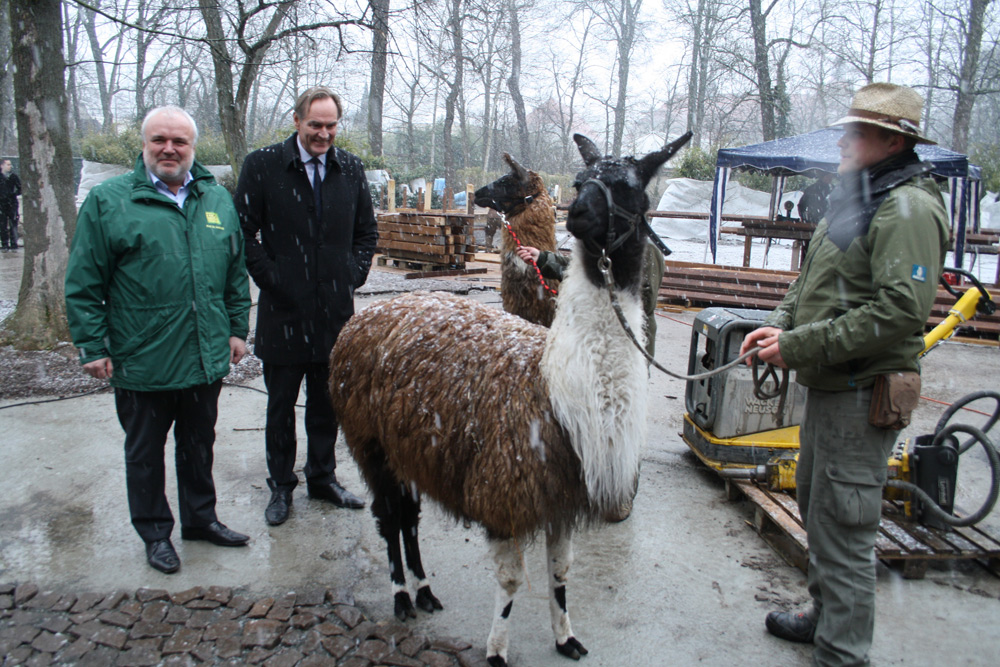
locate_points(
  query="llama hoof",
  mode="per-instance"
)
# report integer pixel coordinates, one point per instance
(427, 601)
(495, 661)
(572, 648)
(403, 607)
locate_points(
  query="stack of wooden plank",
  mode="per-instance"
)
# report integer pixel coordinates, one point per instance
(703, 285)
(428, 240)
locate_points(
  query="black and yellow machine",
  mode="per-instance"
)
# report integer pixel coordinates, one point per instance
(744, 422)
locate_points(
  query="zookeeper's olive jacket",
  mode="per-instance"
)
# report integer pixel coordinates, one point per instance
(858, 308)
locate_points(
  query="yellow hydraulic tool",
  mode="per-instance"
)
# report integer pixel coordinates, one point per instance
(976, 299)
(744, 433)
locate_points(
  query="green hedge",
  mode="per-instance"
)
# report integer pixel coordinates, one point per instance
(122, 147)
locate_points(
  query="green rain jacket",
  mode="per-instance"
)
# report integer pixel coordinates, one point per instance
(859, 306)
(158, 289)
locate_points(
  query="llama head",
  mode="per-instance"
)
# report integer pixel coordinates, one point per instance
(610, 204)
(511, 192)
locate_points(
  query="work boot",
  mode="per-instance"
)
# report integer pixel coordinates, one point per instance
(791, 626)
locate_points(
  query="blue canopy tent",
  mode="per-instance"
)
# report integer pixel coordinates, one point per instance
(817, 151)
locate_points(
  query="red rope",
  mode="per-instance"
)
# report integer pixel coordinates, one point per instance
(538, 271)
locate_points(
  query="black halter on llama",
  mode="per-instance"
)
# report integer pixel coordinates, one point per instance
(524, 430)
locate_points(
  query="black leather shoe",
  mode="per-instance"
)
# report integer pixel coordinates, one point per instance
(336, 494)
(216, 533)
(791, 626)
(161, 556)
(277, 508)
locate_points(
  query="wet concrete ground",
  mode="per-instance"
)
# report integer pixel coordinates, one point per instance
(685, 580)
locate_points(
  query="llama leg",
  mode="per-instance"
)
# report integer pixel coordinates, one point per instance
(386, 507)
(510, 574)
(559, 551)
(411, 544)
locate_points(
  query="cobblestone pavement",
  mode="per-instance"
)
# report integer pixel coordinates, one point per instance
(214, 625)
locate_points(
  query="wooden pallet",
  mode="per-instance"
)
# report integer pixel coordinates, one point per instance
(904, 544)
(691, 284)
(427, 240)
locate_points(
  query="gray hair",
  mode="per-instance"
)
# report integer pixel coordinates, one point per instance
(169, 109)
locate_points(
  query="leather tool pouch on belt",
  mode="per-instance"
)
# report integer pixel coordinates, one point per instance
(893, 399)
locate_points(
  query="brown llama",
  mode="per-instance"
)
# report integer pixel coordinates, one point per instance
(521, 198)
(503, 422)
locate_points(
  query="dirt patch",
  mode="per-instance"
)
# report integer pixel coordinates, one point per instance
(57, 372)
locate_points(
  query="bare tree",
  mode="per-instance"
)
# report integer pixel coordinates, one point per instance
(106, 82)
(376, 89)
(969, 84)
(7, 134)
(514, 81)
(147, 17)
(39, 321)
(254, 30)
(704, 21)
(867, 38)
(621, 19)
(489, 52)
(568, 86)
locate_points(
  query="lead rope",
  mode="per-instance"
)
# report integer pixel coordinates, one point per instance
(604, 266)
(513, 234)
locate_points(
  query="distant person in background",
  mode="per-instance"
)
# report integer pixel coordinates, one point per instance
(815, 199)
(10, 189)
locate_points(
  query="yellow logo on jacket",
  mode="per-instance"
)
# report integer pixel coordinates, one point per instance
(213, 220)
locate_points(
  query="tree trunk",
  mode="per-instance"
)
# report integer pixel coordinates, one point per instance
(514, 84)
(232, 119)
(71, 40)
(758, 25)
(103, 90)
(966, 93)
(620, 109)
(46, 167)
(694, 75)
(7, 135)
(376, 89)
(451, 101)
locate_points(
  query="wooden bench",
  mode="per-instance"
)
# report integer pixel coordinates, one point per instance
(758, 227)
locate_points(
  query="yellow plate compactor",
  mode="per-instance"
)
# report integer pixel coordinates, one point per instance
(734, 429)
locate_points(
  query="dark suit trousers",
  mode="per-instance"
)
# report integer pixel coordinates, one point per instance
(8, 230)
(283, 383)
(146, 417)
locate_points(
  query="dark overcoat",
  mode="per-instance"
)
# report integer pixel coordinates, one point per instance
(307, 265)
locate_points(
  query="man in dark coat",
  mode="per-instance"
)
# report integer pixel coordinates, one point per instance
(309, 202)
(10, 189)
(815, 199)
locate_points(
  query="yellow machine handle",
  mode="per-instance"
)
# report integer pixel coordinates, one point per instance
(963, 311)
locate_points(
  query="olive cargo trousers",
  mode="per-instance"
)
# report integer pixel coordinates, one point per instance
(841, 470)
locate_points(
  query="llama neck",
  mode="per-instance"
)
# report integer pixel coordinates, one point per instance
(597, 382)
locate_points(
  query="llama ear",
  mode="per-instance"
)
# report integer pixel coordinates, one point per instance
(649, 164)
(519, 171)
(588, 149)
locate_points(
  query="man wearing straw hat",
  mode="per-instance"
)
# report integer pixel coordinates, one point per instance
(851, 326)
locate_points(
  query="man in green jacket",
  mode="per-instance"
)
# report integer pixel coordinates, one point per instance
(856, 312)
(157, 299)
